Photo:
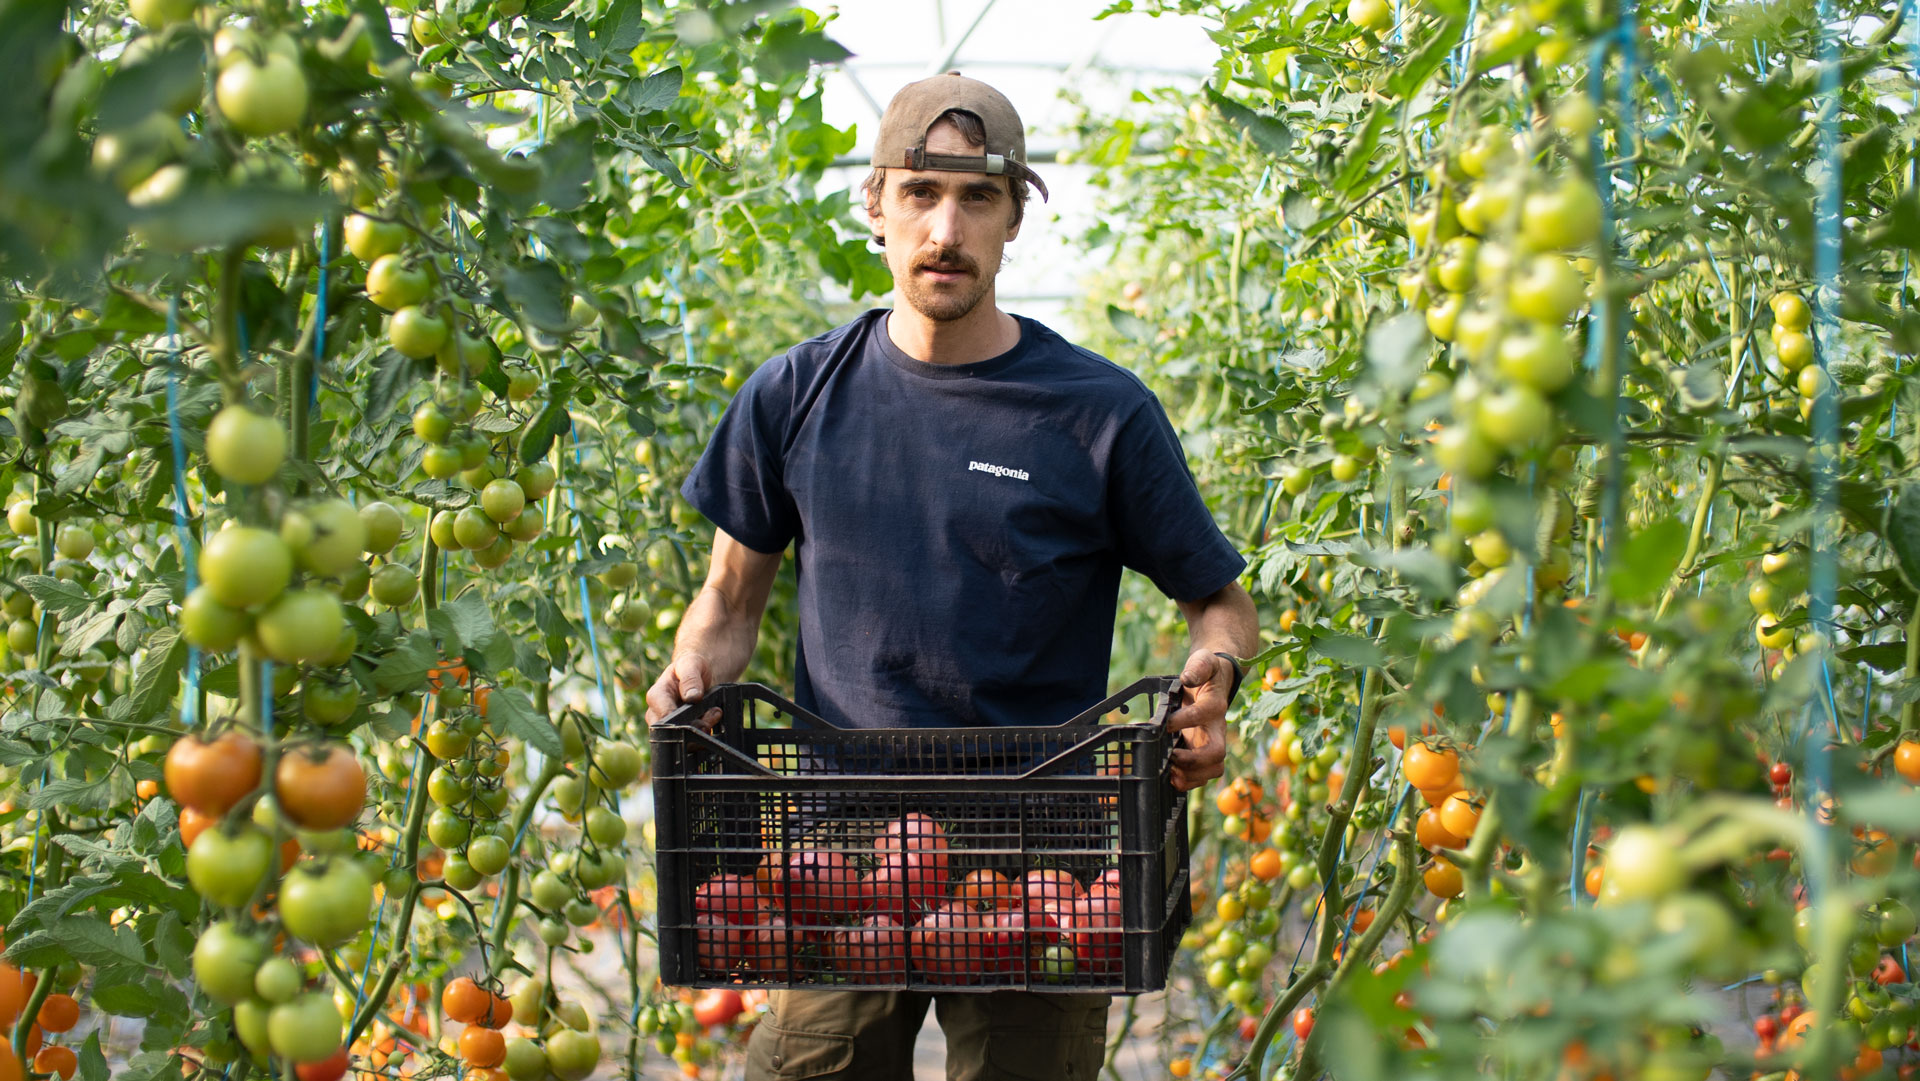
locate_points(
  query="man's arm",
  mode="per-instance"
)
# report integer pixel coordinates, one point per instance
(1222, 622)
(719, 630)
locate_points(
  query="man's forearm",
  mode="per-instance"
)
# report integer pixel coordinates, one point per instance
(716, 631)
(1225, 622)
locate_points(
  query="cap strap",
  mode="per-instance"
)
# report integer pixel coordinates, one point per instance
(991, 164)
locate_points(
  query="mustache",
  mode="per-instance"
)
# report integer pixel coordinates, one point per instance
(945, 260)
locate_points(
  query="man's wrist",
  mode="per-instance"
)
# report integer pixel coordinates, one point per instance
(1233, 665)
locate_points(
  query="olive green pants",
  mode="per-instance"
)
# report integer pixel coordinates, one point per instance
(869, 1035)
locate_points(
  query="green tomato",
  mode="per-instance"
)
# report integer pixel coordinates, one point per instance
(489, 855)
(307, 1029)
(447, 829)
(526, 1060)
(473, 529)
(1515, 418)
(209, 625)
(602, 868)
(1893, 922)
(572, 1055)
(393, 585)
(1642, 864)
(225, 960)
(503, 500)
(339, 536)
(447, 788)
(1537, 357)
(303, 625)
(1566, 216)
(327, 905)
(528, 526)
(227, 867)
(616, 764)
(264, 98)
(370, 238)
(393, 283)
(244, 566)
(457, 873)
(1547, 290)
(278, 980)
(329, 702)
(250, 1024)
(549, 891)
(605, 827)
(415, 332)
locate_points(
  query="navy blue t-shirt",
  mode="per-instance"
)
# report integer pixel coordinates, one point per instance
(961, 528)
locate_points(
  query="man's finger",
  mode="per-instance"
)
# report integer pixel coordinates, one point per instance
(1198, 670)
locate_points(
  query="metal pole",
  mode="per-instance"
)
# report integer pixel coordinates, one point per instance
(945, 62)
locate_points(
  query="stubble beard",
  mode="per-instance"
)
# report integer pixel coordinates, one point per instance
(949, 304)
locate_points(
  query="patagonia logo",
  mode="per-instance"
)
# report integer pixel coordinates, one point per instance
(996, 470)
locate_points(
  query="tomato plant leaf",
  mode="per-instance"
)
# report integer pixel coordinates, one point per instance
(1348, 649)
(656, 91)
(1268, 133)
(1397, 350)
(93, 1064)
(788, 48)
(63, 599)
(1413, 74)
(1648, 559)
(405, 669)
(158, 676)
(92, 941)
(540, 294)
(512, 711)
(69, 792)
(394, 374)
(551, 422)
(1891, 807)
(469, 617)
(1888, 657)
(1902, 531)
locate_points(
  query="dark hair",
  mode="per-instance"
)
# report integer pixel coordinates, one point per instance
(974, 131)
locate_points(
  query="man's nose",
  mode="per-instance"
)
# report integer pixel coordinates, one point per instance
(944, 227)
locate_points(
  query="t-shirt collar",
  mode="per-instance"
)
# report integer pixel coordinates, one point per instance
(990, 366)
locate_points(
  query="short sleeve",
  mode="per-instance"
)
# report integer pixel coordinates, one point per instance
(739, 483)
(1164, 528)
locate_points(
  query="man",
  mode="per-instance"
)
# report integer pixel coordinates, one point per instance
(964, 487)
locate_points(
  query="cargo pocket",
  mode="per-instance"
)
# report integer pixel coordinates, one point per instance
(1052, 1038)
(774, 1054)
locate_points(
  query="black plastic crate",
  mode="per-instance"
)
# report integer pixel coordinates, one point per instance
(796, 854)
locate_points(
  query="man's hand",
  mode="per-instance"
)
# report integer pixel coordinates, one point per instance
(1201, 720)
(685, 680)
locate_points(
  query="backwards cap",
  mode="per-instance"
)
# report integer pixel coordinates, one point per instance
(903, 129)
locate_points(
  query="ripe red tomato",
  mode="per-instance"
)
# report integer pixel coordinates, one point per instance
(948, 944)
(210, 777)
(321, 787)
(331, 1068)
(717, 1006)
(1780, 774)
(874, 950)
(1303, 1022)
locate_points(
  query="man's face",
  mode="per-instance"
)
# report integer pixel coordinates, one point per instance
(945, 231)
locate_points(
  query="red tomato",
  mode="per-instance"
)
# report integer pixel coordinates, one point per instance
(717, 1006)
(1303, 1022)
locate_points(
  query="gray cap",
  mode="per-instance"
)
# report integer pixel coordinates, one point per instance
(903, 129)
